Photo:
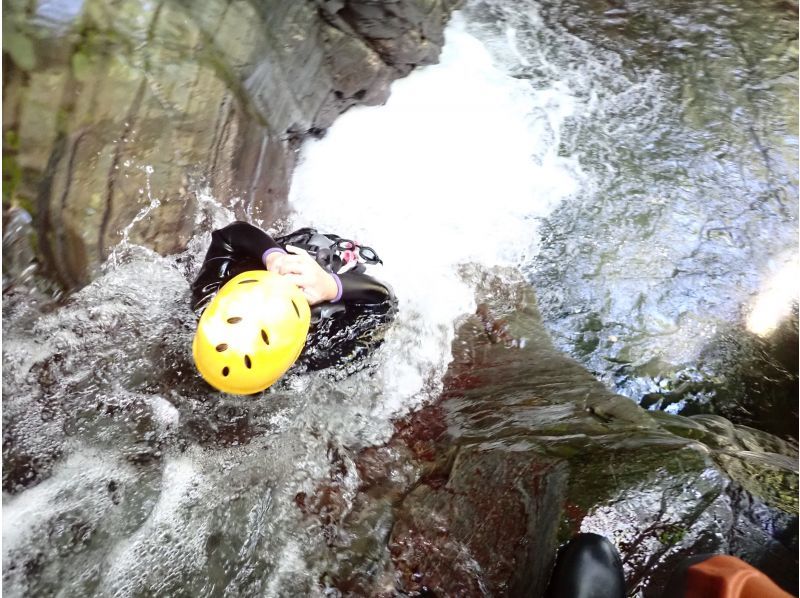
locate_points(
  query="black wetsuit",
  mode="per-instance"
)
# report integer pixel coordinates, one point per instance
(341, 330)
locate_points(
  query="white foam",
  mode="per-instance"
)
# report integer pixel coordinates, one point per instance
(72, 486)
(173, 532)
(166, 414)
(455, 168)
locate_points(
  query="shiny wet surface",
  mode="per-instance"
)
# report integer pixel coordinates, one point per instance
(125, 475)
(688, 141)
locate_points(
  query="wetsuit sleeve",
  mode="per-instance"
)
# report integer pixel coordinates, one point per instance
(341, 339)
(241, 240)
(359, 288)
(237, 242)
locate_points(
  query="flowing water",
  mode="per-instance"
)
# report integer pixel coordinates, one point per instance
(671, 270)
(648, 201)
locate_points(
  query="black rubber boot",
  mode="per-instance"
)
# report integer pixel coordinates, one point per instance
(587, 567)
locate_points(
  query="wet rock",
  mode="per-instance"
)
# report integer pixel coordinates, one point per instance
(480, 532)
(33, 441)
(107, 111)
(22, 469)
(525, 448)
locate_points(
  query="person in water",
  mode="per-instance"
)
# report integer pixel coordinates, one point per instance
(267, 303)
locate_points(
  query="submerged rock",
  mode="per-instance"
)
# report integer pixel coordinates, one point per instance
(688, 228)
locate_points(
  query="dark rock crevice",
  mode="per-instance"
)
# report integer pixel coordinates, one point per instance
(113, 172)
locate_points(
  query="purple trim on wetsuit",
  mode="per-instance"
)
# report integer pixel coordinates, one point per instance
(267, 252)
(339, 286)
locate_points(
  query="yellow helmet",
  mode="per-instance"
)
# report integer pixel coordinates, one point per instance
(251, 333)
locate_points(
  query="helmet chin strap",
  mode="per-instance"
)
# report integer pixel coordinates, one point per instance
(323, 257)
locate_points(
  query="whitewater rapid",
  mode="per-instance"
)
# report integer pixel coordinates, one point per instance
(457, 168)
(147, 477)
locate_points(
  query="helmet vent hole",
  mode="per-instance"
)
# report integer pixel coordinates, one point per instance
(226, 370)
(247, 281)
(234, 320)
(264, 336)
(221, 347)
(297, 311)
(247, 362)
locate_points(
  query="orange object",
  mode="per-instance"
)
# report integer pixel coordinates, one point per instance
(724, 576)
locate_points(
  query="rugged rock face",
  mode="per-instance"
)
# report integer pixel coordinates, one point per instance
(525, 448)
(108, 107)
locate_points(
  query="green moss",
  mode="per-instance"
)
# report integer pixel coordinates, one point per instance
(12, 177)
(565, 451)
(62, 120)
(600, 475)
(592, 323)
(11, 140)
(21, 50)
(776, 487)
(672, 535)
(81, 66)
(587, 344)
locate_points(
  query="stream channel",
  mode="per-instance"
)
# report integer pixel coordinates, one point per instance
(588, 211)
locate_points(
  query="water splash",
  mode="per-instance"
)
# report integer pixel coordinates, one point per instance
(124, 246)
(143, 480)
(456, 168)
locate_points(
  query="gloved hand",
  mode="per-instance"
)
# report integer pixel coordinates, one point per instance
(299, 267)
